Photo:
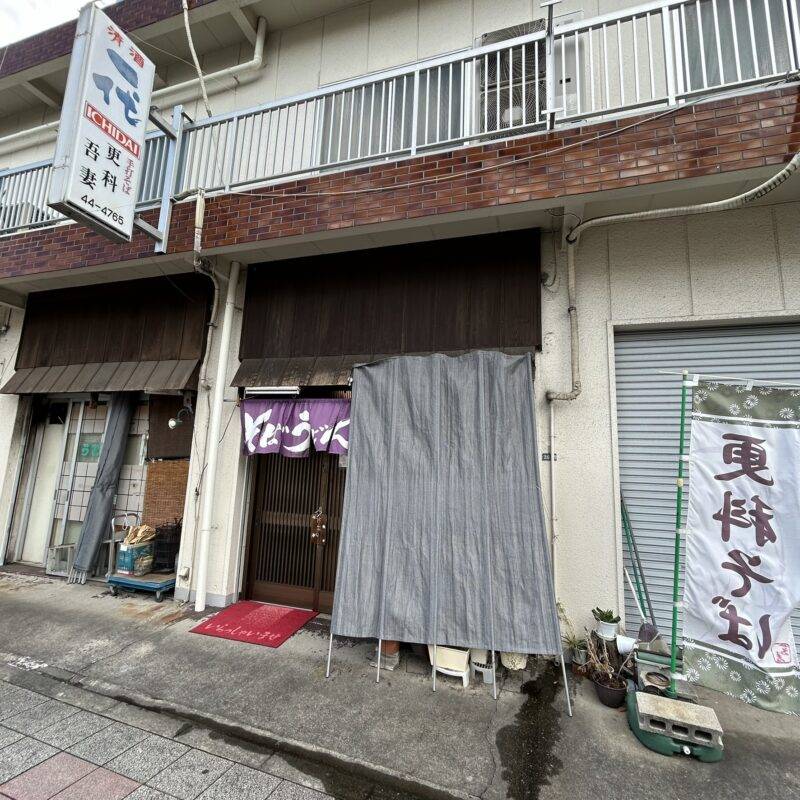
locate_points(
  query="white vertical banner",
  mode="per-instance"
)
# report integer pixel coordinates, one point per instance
(99, 155)
(743, 544)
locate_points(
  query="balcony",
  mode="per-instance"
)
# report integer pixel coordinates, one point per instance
(650, 57)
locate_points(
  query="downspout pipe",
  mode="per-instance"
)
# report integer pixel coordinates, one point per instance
(212, 438)
(571, 394)
(238, 73)
(732, 203)
(572, 311)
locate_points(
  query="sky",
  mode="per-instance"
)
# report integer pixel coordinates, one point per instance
(22, 18)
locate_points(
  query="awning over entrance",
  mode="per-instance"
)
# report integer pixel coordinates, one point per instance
(144, 335)
(308, 321)
(113, 376)
(322, 371)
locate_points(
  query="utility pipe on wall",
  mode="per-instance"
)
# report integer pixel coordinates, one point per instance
(572, 394)
(235, 75)
(729, 204)
(212, 438)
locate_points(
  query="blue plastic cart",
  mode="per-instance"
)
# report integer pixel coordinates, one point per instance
(152, 582)
(156, 582)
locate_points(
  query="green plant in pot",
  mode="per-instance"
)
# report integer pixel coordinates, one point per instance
(574, 647)
(607, 622)
(609, 685)
(573, 644)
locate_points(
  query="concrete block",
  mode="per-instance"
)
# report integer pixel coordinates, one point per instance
(686, 722)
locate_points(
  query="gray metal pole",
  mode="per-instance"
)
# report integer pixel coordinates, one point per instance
(494, 674)
(566, 685)
(433, 668)
(330, 650)
(380, 645)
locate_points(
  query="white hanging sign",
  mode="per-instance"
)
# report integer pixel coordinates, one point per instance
(743, 545)
(101, 138)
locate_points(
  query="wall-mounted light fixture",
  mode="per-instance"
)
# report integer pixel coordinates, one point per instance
(270, 391)
(177, 421)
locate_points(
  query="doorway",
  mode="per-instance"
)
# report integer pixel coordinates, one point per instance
(48, 446)
(292, 557)
(60, 470)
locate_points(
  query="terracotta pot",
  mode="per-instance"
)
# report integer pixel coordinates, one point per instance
(608, 696)
(390, 648)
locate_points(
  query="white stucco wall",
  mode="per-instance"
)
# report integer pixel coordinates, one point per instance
(727, 267)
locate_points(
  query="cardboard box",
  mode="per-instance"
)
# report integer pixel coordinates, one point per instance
(135, 559)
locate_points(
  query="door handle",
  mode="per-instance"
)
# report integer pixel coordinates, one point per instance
(319, 527)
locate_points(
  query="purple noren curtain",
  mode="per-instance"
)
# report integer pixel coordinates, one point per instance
(290, 427)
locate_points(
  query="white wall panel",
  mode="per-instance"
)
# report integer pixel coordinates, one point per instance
(344, 44)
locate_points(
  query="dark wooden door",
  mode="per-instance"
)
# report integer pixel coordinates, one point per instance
(290, 561)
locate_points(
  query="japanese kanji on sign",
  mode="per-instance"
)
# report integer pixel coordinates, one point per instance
(743, 543)
(101, 137)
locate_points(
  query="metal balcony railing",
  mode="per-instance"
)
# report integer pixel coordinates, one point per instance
(652, 56)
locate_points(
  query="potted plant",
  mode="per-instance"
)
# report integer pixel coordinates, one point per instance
(574, 645)
(610, 687)
(607, 622)
(574, 648)
(580, 654)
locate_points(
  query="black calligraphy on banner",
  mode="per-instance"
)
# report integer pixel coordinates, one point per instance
(750, 460)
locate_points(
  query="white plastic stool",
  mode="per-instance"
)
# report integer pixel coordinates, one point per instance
(451, 661)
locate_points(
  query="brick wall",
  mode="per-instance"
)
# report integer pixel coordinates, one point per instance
(165, 491)
(734, 134)
(56, 42)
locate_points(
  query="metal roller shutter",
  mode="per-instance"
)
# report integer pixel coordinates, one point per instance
(648, 414)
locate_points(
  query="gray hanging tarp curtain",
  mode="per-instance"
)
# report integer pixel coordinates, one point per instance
(100, 508)
(443, 537)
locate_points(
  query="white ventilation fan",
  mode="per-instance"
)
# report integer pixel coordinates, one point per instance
(505, 76)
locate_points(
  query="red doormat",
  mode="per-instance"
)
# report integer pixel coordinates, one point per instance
(256, 623)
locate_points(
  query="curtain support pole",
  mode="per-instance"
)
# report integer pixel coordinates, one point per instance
(433, 668)
(494, 674)
(330, 650)
(566, 685)
(380, 647)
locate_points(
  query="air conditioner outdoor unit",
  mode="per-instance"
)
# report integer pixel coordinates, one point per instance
(507, 93)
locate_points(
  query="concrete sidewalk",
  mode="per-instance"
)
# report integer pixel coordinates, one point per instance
(455, 742)
(51, 748)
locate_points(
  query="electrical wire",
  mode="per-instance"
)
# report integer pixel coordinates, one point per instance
(564, 214)
(548, 286)
(195, 59)
(145, 45)
(177, 288)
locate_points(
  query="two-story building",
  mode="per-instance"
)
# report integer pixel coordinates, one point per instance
(399, 176)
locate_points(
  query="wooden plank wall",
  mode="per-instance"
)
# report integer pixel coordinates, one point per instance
(454, 294)
(153, 319)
